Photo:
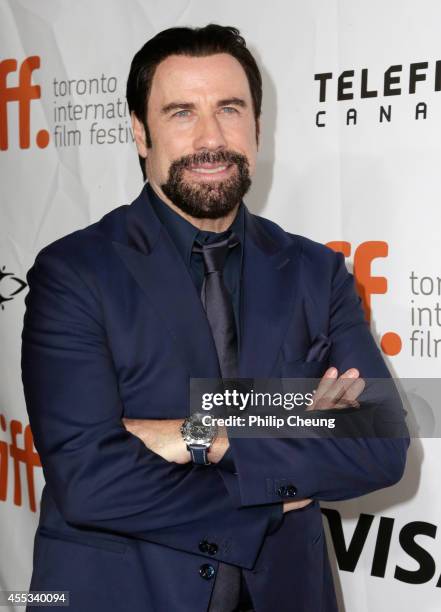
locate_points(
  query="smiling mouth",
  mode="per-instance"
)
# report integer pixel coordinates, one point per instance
(210, 169)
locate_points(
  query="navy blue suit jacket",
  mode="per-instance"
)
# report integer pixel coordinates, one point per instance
(114, 328)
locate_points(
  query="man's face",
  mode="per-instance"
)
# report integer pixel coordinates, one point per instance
(203, 133)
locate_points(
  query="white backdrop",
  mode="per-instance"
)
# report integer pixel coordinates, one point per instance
(370, 181)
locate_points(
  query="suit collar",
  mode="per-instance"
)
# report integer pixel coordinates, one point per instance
(184, 233)
(144, 227)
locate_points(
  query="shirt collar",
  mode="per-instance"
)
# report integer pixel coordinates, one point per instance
(184, 233)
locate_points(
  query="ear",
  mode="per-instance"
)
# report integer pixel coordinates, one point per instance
(139, 135)
(258, 132)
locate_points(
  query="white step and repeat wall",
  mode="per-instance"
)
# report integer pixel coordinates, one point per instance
(351, 154)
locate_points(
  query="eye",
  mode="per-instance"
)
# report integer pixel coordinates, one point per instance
(229, 110)
(182, 113)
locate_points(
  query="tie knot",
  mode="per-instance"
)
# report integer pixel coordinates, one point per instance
(215, 253)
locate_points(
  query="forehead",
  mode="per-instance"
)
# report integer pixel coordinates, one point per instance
(216, 76)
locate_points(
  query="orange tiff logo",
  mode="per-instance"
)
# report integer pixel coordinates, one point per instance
(17, 452)
(368, 285)
(22, 94)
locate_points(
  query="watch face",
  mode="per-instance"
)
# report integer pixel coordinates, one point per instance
(195, 432)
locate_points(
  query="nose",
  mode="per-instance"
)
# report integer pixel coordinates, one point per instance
(209, 134)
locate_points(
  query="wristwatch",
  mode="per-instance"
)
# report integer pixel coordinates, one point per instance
(198, 437)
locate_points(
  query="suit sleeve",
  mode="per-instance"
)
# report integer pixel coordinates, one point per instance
(100, 475)
(269, 469)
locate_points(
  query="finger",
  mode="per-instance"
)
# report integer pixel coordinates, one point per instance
(130, 424)
(343, 383)
(328, 379)
(356, 389)
(351, 373)
(296, 505)
(331, 393)
(349, 398)
(352, 386)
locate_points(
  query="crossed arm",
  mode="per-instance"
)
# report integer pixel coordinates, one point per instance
(162, 436)
(101, 476)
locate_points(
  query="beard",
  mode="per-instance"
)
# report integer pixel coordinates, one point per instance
(210, 199)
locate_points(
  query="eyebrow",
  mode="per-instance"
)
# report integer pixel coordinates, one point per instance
(232, 101)
(191, 106)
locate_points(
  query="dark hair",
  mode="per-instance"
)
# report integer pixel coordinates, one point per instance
(194, 42)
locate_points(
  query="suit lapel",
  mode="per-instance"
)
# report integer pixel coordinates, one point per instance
(269, 286)
(153, 260)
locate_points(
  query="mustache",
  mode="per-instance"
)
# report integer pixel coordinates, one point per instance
(210, 157)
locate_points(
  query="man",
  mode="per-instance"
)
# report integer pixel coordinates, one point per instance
(187, 283)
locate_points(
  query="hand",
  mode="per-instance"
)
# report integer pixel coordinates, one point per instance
(334, 392)
(295, 505)
(162, 436)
